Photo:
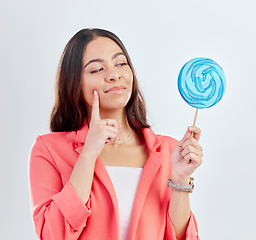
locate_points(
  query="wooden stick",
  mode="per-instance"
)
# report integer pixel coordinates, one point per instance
(194, 123)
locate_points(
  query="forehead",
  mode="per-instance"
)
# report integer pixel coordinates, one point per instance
(101, 47)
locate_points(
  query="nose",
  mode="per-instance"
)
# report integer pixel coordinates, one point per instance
(113, 76)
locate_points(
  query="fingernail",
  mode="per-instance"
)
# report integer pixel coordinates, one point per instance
(94, 92)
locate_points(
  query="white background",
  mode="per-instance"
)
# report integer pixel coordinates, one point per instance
(160, 36)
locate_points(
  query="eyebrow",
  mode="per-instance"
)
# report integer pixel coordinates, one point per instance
(101, 60)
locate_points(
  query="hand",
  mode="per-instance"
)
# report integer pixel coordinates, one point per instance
(186, 156)
(100, 130)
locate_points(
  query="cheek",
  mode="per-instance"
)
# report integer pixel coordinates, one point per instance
(129, 77)
(87, 90)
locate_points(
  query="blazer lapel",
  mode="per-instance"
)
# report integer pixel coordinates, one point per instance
(147, 176)
(102, 174)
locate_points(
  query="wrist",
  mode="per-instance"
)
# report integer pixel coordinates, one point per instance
(181, 187)
(88, 155)
(180, 180)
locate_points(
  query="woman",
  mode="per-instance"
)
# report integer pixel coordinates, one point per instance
(102, 173)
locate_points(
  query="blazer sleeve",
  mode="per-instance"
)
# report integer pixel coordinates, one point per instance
(58, 212)
(191, 232)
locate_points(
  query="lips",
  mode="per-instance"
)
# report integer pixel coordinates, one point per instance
(115, 89)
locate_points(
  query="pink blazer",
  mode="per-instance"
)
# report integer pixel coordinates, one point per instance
(59, 213)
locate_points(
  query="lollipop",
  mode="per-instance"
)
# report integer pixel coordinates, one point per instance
(201, 83)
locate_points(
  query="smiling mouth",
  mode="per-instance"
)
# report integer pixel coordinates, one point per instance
(116, 89)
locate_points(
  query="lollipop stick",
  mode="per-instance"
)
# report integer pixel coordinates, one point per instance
(194, 123)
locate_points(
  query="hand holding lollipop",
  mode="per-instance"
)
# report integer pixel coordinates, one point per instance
(201, 83)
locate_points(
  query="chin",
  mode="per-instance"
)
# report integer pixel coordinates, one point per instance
(115, 101)
(115, 104)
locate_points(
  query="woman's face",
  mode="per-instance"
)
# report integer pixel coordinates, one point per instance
(105, 69)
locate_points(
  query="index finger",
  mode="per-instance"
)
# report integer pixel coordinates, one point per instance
(196, 132)
(95, 107)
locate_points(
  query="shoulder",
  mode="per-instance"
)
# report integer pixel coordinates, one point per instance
(164, 139)
(167, 142)
(45, 142)
(55, 136)
(154, 141)
(167, 139)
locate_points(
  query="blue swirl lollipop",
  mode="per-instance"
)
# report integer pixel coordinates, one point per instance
(201, 82)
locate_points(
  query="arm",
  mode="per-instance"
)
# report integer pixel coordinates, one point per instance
(61, 212)
(58, 211)
(179, 213)
(99, 133)
(186, 157)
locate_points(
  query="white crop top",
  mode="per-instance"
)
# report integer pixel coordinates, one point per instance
(125, 181)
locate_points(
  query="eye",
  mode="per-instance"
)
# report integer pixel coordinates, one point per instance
(96, 70)
(121, 64)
